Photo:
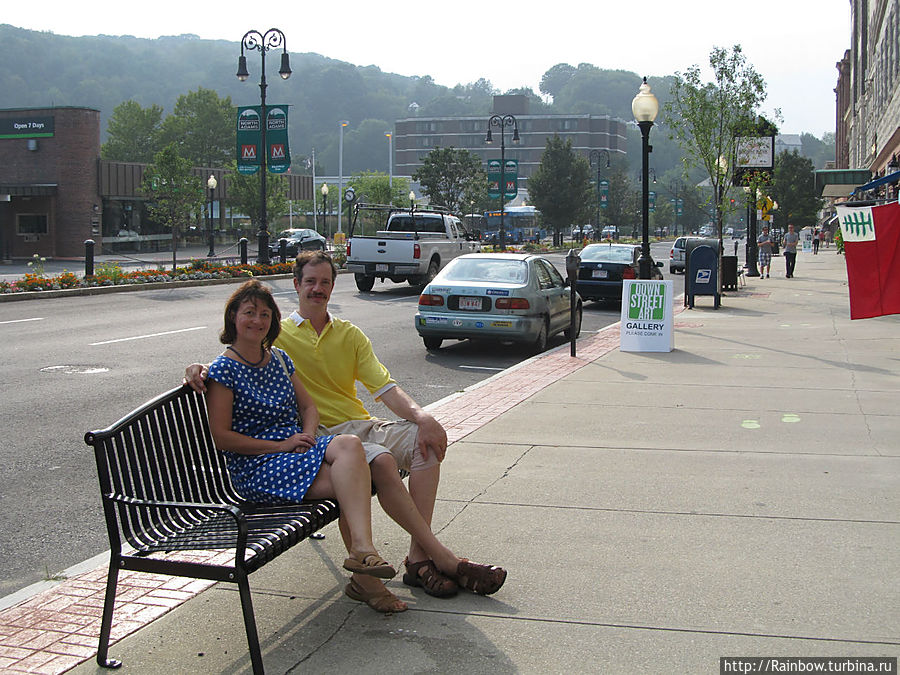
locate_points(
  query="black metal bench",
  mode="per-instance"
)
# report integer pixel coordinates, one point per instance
(165, 488)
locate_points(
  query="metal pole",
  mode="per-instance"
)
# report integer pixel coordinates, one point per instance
(390, 162)
(340, 194)
(644, 260)
(262, 254)
(315, 217)
(209, 226)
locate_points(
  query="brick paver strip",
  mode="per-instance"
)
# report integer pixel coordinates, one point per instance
(57, 629)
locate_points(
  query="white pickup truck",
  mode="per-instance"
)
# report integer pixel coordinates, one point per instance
(413, 245)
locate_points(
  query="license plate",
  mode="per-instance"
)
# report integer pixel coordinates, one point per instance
(470, 303)
(381, 268)
(599, 274)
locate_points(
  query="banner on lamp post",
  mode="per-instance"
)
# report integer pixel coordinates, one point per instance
(249, 140)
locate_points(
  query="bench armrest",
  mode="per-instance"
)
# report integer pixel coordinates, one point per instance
(194, 507)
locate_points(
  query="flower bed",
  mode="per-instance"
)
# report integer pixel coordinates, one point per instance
(113, 275)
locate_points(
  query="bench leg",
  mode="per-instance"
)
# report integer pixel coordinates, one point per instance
(250, 624)
(109, 603)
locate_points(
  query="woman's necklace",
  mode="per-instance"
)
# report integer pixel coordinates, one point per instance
(246, 360)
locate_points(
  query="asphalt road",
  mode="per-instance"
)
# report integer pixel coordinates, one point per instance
(75, 364)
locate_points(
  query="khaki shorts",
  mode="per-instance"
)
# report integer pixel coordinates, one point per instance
(379, 436)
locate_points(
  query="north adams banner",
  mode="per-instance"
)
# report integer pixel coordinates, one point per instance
(872, 249)
(249, 139)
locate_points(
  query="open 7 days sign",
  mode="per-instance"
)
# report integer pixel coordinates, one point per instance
(646, 316)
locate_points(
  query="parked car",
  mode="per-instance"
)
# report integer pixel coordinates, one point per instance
(604, 267)
(298, 239)
(496, 296)
(677, 254)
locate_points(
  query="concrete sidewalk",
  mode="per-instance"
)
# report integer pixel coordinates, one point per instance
(735, 497)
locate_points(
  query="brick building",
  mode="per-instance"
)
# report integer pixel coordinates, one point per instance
(56, 192)
(415, 137)
(49, 192)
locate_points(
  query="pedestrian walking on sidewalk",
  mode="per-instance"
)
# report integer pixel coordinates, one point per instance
(817, 237)
(764, 247)
(790, 251)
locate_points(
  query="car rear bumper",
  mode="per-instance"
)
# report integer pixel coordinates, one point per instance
(478, 326)
(599, 290)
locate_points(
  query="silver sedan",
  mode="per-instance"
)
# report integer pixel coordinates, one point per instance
(496, 296)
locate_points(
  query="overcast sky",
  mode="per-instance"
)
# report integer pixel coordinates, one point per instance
(793, 44)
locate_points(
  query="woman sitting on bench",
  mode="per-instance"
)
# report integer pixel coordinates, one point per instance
(253, 399)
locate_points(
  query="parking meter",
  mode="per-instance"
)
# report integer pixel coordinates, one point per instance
(573, 260)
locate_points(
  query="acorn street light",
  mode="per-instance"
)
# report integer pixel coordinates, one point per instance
(211, 185)
(263, 42)
(645, 107)
(325, 209)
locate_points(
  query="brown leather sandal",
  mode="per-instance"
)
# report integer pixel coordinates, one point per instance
(426, 575)
(478, 578)
(381, 600)
(370, 564)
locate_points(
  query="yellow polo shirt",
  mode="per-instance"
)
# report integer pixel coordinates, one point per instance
(330, 364)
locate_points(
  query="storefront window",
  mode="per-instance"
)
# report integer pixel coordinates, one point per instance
(31, 223)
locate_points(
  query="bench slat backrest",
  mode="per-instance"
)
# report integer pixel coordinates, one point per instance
(161, 452)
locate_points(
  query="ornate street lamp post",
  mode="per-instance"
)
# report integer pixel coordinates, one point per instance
(502, 121)
(211, 184)
(263, 42)
(645, 107)
(595, 159)
(343, 123)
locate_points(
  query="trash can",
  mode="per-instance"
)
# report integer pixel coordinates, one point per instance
(702, 273)
(729, 272)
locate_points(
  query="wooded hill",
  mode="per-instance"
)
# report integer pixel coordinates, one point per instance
(44, 69)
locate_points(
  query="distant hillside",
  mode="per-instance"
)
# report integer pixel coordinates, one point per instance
(44, 69)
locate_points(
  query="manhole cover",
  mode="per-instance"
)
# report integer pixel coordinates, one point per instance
(82, 370)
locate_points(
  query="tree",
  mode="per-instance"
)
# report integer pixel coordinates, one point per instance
(706, 118)
(204, 127)
(449, 176)
(133, 133)
(560, 187)
(555, 79)
(176, 194)
(243, 195)
(795, 191)
(375, 188)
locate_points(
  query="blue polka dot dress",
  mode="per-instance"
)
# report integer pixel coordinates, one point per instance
(265, 407)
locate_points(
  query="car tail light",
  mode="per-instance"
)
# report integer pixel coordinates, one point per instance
(430, 300)
(511, 303)
(348, 249)
(672, 253)
(628, 273)
(417, 251)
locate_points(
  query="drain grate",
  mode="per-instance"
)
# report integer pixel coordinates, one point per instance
(81, 370)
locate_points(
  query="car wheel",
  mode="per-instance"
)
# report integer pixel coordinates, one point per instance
(432, 343)
(431, 273)
(364, 283)
(672, 270)
(568, 331)
(540, 343)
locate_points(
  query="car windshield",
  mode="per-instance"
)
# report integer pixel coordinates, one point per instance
(603, 253)
(486, 269)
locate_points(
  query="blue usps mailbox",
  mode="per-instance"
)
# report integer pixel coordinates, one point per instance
(702, 272)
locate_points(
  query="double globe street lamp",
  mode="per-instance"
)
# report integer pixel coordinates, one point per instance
(645, 107)
(263, 42)
(502, 121)
(594, 158)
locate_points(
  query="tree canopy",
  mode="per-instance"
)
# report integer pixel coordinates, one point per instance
(560, 187)
(133, 133)
(795, 191)
(451, 177)
(203, 125)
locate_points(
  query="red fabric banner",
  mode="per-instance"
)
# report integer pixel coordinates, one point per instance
(872, 250)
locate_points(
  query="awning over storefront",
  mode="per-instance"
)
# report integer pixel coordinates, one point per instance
(33, 190)
(884, 180)
(840, 182)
